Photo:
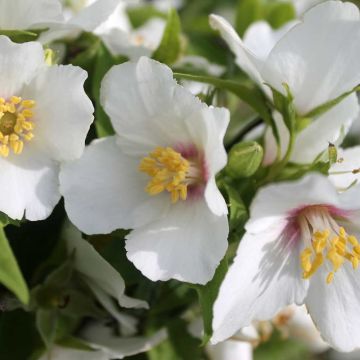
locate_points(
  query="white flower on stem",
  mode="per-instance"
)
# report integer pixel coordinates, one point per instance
(108, 20)
(317, 58)
(157, 176)
(28, 14)
(346, 171)
(300, 247)
(44, 118)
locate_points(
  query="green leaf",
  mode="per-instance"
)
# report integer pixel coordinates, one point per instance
(247, 93)
(139, 15)
(104, 60)
(10, 274)
(279, 13)
(323, 108)
(247, 12)
(207, 295)
(20, 36)
(238, 211)
(169, 49)
(46, 323)
(244, 159)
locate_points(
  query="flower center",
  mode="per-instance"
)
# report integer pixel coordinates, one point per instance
(327, 243)
(171, 172)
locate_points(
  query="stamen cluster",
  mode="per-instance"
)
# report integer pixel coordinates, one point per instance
(15, 125)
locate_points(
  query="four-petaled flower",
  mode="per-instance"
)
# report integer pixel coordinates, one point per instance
(156, 176)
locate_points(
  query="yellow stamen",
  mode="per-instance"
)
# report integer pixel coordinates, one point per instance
(336, 251)
(168, 170)
(15, 125)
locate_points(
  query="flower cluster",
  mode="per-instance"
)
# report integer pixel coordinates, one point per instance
(145, 155)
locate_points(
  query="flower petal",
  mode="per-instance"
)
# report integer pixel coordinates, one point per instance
(27, 14)
(350, 162)
(264, 278)
(94, 15)
(146, 106)
(29, 184)
(335, 307)
(97, 272)
(104, 190)
(63, 112)
(316, 58)
(246, 60)
(260, 38)
(18, 63)
(101, 337)
(186, 245)
(329, 127)
(274, 202)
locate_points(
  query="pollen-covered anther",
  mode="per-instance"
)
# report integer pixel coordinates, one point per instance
(169, 171)
(15, 124)
(336, 248)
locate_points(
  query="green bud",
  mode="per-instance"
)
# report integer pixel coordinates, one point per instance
(244, 159)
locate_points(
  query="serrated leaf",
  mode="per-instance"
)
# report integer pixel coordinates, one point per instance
(10, 274)
(207, 295)
(46, 322)
(169, 49)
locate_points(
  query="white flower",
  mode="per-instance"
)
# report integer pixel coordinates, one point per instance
(156, 176)
(300, 247)
(44, 118)
(108, 20)
(105, 345)
(317, 58)
(28, 14)
(346, 171)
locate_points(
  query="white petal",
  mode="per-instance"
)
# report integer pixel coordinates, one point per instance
(25, 14)
(260, 38)
(146, 106)
(230, 350)
(350, 160)
(329, 127)
(100, 337)
(317, 59)
(302, 6)
(97, 272)
(105, 191)
(19, 64)
(186, 245)
(29, 183)
(302, 328)
(94, 15)
(335, 307)
(63, 113)
(264, 278)
(246, 60)
(274, 202)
